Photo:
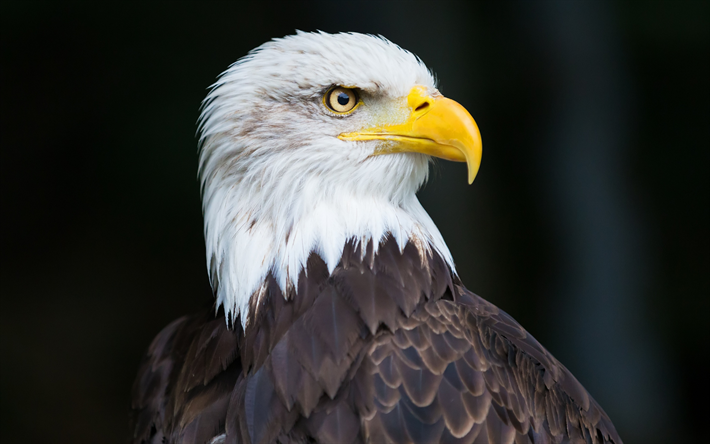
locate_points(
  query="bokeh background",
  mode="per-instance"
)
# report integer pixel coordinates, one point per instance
(588, 221)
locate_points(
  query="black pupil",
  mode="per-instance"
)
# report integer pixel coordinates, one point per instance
(343, 98)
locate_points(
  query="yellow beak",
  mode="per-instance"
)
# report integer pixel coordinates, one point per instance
(437, 126)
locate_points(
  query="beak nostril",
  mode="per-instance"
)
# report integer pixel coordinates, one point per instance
(422, 107)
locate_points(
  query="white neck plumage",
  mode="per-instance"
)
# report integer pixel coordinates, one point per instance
(250, 233)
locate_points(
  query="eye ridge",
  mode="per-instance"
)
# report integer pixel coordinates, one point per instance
(341, 100)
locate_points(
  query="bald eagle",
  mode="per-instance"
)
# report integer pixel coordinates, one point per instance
(339, 316)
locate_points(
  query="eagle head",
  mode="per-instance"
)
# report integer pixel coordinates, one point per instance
(311, 141)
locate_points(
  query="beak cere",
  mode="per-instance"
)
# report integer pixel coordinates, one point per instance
(437, 126)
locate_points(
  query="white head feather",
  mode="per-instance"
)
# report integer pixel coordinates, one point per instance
(277, 182)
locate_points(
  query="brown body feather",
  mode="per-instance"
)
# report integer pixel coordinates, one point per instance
(389, 348)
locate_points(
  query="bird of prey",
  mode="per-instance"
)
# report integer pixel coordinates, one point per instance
(339, 316)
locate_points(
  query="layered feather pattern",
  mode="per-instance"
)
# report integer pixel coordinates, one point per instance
(388, 348)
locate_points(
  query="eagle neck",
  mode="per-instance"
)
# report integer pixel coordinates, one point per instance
(251, 248)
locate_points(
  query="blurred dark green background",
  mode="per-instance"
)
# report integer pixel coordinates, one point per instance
(588, 221)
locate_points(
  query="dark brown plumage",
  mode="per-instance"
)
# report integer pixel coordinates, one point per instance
(388, 349)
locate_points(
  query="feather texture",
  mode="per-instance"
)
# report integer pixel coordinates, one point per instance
(433, 364)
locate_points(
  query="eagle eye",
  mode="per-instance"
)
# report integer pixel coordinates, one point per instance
(341, 100)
